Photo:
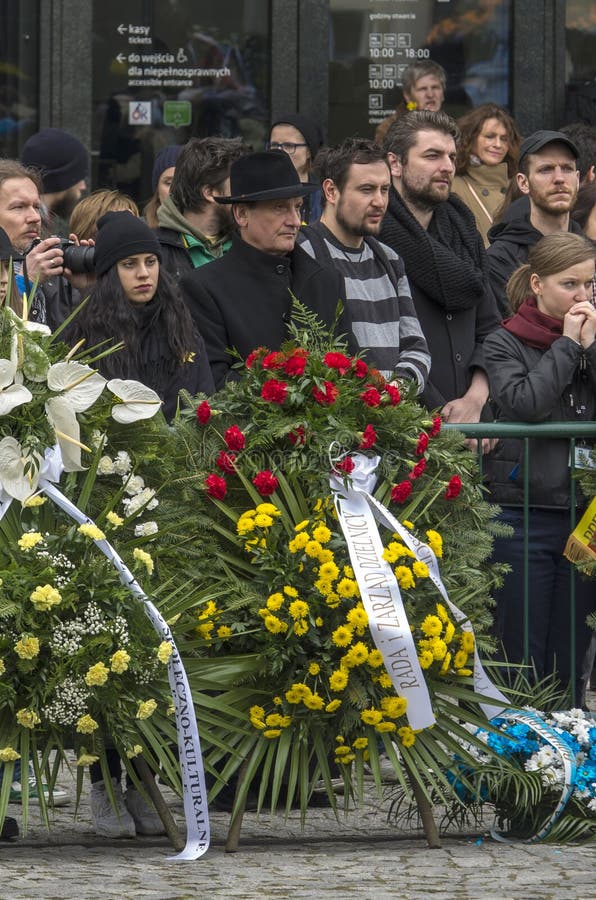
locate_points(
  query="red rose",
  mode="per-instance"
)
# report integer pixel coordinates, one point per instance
(453, 488)
(274, 391)
(371, 396)
(297, 436)
(422, 444)
(203, 412)
(296, 363)
(216, 486)
(254, 356)
(225, 462)
(400, 492)
(394, 394)
(328, 396)
(436, 427)
(346, 465)
(417, 470)
(234, 438)
(360, 368)
(265, 482)
(338, 361)
(273, 361)
(369, 437)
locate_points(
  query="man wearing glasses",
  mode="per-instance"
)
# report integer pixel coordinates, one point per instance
(301, 139)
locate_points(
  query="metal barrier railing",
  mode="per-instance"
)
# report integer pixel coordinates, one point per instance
(571, 431)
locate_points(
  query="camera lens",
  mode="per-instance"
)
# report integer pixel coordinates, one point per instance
(79, 259)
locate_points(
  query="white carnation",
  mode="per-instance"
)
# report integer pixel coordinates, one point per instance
(133, 485)
(122, 463)
(105, 466)
(145, 529)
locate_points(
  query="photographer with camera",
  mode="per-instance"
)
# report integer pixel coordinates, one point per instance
(61, 270)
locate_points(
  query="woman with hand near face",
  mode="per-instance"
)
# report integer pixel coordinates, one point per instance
(541, 364)
(486, 161)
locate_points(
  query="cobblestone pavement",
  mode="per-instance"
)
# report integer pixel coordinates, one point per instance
(360, 856)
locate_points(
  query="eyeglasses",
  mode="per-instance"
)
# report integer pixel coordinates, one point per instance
(287, 146)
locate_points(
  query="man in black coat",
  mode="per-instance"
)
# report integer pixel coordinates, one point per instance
(445, 262)
(244, 300)
(548, 176)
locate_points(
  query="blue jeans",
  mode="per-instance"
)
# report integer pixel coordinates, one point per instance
(549, 598)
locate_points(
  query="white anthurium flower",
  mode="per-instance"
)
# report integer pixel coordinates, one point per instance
(80, 385)
(19, 475)
(11, 395)
(138, 401)
(62, 418)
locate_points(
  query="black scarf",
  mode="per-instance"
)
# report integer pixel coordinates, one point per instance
(447, 262)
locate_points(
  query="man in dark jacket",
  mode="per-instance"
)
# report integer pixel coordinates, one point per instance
(244, 300)
(194, 229)
(548, 176)
(445, 262)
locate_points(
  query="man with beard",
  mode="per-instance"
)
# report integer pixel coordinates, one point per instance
(63, 163)
(355, 180)
(194, 228)
(548, 176)
(444, 260)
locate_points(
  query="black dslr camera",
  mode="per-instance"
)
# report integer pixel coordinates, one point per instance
(76, 258)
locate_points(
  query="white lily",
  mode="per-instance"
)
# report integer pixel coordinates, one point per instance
(77, 387)
(11, 394)
(19, 475)
(138, 401)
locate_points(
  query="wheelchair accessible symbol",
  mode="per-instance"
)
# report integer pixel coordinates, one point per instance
(139, 112)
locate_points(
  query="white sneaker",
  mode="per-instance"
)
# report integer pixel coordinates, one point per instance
(145, 816)
(58, 797)
(110, 821)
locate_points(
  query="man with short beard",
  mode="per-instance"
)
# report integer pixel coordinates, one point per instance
(194, 228)
(445, 262)
(355, 181)
(548, 176)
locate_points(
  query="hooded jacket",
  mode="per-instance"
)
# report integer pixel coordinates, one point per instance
(183, 247)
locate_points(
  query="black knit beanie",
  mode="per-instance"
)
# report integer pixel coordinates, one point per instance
(165, 159)
(120, 234)
(308, 129)
(61, 158)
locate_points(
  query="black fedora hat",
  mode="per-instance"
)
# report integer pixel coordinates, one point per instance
(7, 251)
(266, 175)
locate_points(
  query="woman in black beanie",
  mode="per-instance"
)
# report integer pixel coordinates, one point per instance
(136, 302)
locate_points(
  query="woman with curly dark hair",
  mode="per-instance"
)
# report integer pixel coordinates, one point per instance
(135, 302)
(486, 161)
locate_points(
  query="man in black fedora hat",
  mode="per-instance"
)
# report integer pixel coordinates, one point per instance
(244, 300)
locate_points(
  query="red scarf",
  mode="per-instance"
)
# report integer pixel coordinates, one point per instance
(533, 327)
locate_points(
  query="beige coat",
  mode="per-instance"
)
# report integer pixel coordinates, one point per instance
(483, 189)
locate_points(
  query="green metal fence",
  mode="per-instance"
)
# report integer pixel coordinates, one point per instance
(572, 432)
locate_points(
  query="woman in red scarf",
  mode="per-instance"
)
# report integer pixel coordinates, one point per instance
(541, 365)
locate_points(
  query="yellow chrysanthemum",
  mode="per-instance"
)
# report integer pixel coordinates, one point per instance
(420, 569)
(302, 525)
(409, 525)
(298, 609)
(245, 525)
(371, 716)
(146, 709)
(27, 647)
(449, 632)
(356, 655)
(273, 624)
(426, 659)
(332, 600)
(273, 720)
(321, 533)
(315, 701)
(262, 520)
(257, 712)
(277, 701)
(224, 631)
(325, 556)
(269, 509)
(290, 591)
(347, 588)
(438, 647)
(460, 659)
(431, 626)
(394, 707)
(314, 668)
(338, 680)
(385, 727)
(406, 736)
(312, 549)
(332, 706)
(345, 760)
(87, 725)
(272, 733)
(385, 680)
(405, 577)
(342, 636)
(358, 618)
(44, 597)
(375, 659)
(29, 540)
(299, 542)
(467, 641)
(301, 626)
(435, 542)
(275, 601)
(7, 754)
(205, 629)
(442, 613)
(97, 674)
(466, 672)
(119, 662)
(395, 551)
(360, 743)
(446, 664)
(328, 571)
(87, 759)
(88, 529)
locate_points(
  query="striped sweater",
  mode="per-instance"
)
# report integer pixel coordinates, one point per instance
(378, 300)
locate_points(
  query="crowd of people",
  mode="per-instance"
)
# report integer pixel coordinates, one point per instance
(462, 254)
